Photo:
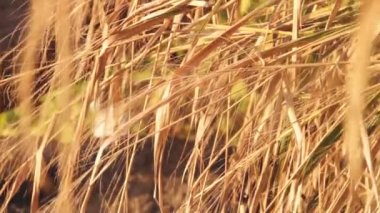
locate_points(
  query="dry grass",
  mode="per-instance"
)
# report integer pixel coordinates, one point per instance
(266, 78)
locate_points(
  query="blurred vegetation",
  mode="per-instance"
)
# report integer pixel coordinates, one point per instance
(259, 89)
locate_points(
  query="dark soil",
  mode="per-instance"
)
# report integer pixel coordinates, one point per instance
(140, 185)
(12, 12)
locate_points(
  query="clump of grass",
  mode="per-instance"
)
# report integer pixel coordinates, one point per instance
(266, 79)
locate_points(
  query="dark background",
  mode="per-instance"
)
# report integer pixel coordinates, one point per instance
(12, 12)
(12, 19)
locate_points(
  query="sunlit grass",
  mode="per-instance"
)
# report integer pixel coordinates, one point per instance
(266, 79)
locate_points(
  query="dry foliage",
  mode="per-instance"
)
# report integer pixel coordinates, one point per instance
(265, 79)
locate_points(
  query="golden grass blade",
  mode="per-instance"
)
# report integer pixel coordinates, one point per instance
(192, 63)
(356, 84)
(39, 11)
(40, 179)
(93, 178)
(333, 14)
(160, 137)
(368, 159)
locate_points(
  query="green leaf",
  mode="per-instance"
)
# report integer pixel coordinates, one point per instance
(247, 6)
(239, 90)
